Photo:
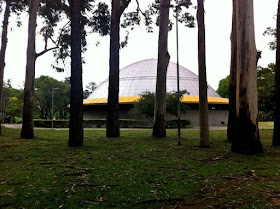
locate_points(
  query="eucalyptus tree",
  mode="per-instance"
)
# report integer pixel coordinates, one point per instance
(51, 12)
(112, 124)
(76, 131)
(246, 137)
(159, 126)
(130, 19)
(203, 102)
(28, 105)
(4, 41)
(15, 7)
(276, 131)
(162, 10)
(233, 75)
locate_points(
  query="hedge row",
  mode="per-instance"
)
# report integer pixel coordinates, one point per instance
(99, 123)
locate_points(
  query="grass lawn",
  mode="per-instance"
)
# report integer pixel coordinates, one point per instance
(135, 171)
(266, 124)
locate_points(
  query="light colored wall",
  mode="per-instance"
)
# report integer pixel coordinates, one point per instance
(216, 117)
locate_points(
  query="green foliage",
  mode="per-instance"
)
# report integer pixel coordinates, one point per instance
(9, 91)
(54, 14)
(14, 107)
(43, 94)
(12, 102)
(16, 8)
(135, 171)
(174, 123)
(266, 81)
(271, 32)
(183, 17)
(100, 19)
(145, 106)
(89, 89)
(93, 123)
(223, 87)
(172, 103)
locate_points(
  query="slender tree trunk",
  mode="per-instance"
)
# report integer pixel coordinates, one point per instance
(76, 131)
(246, 138)
(29, 91)
(159, 127)
(232, 79)
(276, 131)
(203, 102)
(113, 125)
(4, 42)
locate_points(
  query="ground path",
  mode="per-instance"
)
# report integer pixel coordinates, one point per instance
(18, 126)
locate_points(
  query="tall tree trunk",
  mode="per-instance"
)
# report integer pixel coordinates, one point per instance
(203, 102)
(276, 131)
(29, 91)
(246, 138)
(113, 124)
(4, 42)
(159, 126)
(76, 131)
(232, 79)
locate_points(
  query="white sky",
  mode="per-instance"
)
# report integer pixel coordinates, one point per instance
(142, 45)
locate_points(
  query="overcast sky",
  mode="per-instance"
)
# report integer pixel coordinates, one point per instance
(142, 45)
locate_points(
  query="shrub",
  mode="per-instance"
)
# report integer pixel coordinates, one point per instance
(174, 123)
(93, 123)
(101, 123)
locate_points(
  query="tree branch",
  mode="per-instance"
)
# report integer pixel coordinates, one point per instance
(124, 6)
(138, 7)
(55, 42)
(45, 51)
(61, 32)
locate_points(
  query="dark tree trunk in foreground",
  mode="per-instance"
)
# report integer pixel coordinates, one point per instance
(159, 126)
(4, 42)
(203, 102)
(232, 79)
(28, 106)
(76, 131)
(246, 138)
(112, 124)
(276, 131)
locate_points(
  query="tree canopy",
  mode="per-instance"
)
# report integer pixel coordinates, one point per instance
(145, 105)
(266, 81)
(43, 97)
(223, 88)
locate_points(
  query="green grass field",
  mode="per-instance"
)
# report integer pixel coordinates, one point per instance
(135, 171)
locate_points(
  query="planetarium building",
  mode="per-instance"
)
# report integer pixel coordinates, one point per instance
(140, 77)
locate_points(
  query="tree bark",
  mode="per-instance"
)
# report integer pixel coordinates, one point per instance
(76, 131)
(159, 126)
(4, 42)
(232, 79)
(246, 138)
(203, 102)
(29, 91)
(112, 122)
(276, 131)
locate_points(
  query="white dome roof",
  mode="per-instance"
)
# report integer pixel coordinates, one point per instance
(140, 77)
